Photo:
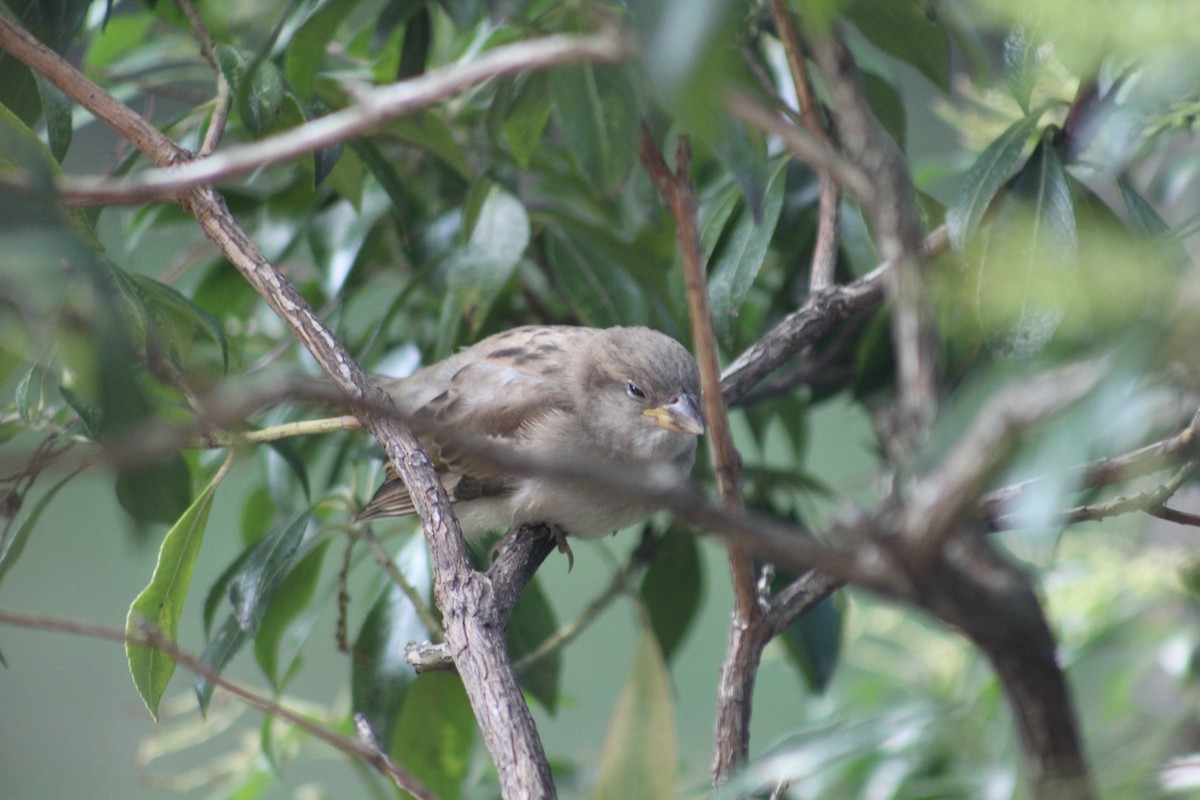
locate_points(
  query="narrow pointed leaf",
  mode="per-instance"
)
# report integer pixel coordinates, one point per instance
(381, 675)
(640, 758)
(984, 179)
(741, 259)
(672, 589)
(161, 602)
(289, 617)
(436, 734)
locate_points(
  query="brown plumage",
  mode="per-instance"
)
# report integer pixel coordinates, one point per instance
(617, 396)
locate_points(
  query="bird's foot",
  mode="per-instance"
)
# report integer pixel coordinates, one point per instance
(560, 541)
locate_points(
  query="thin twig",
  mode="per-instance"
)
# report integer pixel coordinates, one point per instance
(802, 144)
(419, 603)
(221, 103)
(824, 257)
(149, 635)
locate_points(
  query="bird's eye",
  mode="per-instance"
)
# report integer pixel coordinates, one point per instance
(635, 391)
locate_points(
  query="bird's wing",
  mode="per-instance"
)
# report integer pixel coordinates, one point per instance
(497, 391)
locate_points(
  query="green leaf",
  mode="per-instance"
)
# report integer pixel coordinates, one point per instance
(985, 177)
(526, 120)
(477, 272)
(260, 99)
(532, 622)
(380, 675)
(255, 584)
(418, 38)
(164, 303)
(251, 590)
(598, 111)
(436, 734)
(56, 110)
(640, 758)
(814, 642)
(221, 649)
(161, 602)
(738, 262)
(289, 615)
(888, 105)
(1021, 62)
(258, 85)
(1145, 219)
(306, 50)
(394, 14)
(672, 590)
(1026, 283)
(903, 29)
(155, 492)
(599, 287)
(431, 132)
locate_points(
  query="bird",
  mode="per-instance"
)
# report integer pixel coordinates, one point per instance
(622, 397)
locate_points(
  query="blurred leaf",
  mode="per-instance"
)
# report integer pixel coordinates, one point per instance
(465, 13)
(1145, 219)
(738, 262)
(288, 455)
(380, 675)
(256, 582)
(251, 589)
(599, 288)
(989, 172)
(887, 103)
(1026, 277)
(161, 602)
(526, 120)
(903, 29)
(640, 758)
(477, 272)
(394, 14)
(306, 50)
(532, 622)
(162, 301)
(436, 734)
(56, 110)
(672, 590)
(431, 132)
(220, 650)
(121, 34)
(418, 35)
(159, 491)
(218, 592)
(258, 86)
(814, 642)
(743, 157)
(289, 614)
(1021, 62)
(597, 109)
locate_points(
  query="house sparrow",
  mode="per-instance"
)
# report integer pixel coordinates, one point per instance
(621, 397)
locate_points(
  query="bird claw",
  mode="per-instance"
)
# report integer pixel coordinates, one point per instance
(560, 542)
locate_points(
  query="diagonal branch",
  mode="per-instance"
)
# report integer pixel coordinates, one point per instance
(463, 594)
(371, 110)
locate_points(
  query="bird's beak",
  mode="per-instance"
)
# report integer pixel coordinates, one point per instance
(681, 415)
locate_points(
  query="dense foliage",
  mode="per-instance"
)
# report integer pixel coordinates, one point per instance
(1055, 145)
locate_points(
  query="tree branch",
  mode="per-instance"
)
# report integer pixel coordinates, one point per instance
(371, 110)
(463, 594)
(824, 257)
